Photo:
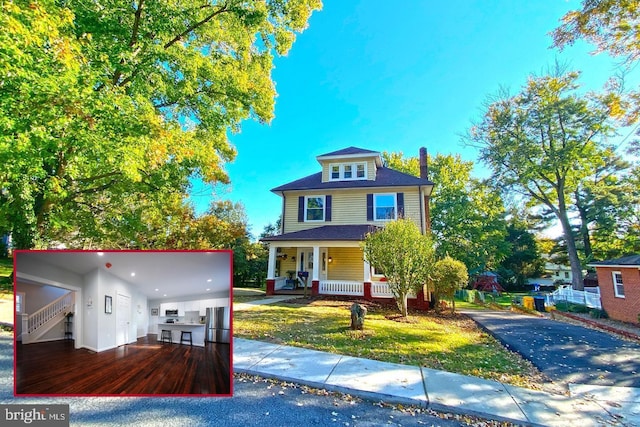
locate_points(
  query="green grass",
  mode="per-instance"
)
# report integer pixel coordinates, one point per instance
(6, 278)
(451, 343)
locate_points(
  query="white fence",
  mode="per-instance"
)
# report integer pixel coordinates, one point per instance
(381, 290)
(589, 297)
(341, 287)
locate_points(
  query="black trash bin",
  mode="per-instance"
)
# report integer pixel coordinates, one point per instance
(538, 303)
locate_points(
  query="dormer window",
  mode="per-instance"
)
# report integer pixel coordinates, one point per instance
(348, 171)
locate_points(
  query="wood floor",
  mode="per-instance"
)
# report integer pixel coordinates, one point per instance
(147, 367)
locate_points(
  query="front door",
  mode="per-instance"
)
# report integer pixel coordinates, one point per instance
(324, 264)
(305, 263)
(123, 319)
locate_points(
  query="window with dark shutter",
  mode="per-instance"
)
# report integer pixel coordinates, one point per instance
(327, 208)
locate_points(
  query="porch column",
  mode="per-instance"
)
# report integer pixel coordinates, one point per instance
(367, 281)
(316, 263)
(367, 271)
(271, 268)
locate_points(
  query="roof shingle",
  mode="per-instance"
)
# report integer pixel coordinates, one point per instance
(385, 177)
(327, 232)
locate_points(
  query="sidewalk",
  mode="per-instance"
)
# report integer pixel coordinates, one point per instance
(439, 390)
(587, 405)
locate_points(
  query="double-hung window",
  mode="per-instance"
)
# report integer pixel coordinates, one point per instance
(314, 208)
(618, 285)
(384, 207)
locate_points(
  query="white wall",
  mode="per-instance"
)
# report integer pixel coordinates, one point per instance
(90, 307)
(107, 324)
(37, 296)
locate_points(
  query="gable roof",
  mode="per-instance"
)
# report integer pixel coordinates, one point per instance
(327, 232)
(385, 177)
(625, 261)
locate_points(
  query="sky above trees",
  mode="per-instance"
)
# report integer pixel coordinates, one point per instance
(394, 78)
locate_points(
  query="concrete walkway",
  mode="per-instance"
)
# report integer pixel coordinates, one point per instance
(393, 383)
(586, 405)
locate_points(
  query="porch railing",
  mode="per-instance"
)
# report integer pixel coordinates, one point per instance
(280, 283)
(381, 290)
(341, 287)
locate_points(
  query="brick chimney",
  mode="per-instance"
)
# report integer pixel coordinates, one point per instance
(424, 169)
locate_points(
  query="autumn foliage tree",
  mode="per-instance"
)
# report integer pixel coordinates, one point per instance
(108, 109)
(543, 143)
(404, 254)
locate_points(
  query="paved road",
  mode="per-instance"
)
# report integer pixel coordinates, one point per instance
(566, 353)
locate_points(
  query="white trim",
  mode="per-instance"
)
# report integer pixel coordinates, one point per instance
(616, 284)
(354, 171)
(614, 266)
(375, 206)
(324, 207)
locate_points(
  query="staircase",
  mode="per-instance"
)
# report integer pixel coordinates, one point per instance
(40, 322)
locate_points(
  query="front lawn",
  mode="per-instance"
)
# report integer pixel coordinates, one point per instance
(450, 343)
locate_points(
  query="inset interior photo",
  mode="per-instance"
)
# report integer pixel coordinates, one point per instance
(121, 323)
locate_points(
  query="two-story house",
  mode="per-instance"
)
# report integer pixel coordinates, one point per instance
(326, 216)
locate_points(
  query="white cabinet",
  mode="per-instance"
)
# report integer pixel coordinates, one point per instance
(180, 308)
(167, 306)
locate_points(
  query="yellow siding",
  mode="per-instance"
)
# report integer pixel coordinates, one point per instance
(347, 264)
(289, 263)
(349, 207)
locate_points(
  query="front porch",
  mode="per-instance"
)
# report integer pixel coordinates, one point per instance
(330, 261)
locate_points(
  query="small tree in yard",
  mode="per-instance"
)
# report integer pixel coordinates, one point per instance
(449, 275)
(404, 254)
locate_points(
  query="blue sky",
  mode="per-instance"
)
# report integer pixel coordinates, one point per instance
(393, 76)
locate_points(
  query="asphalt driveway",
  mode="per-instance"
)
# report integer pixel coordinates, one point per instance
(566, 353)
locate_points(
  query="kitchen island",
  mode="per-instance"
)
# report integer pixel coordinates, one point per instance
(196, 329)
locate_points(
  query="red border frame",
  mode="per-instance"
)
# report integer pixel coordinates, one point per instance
(15, 273)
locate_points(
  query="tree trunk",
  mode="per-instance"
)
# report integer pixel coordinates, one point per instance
(584, 227)
(403, 304)
(572, 252)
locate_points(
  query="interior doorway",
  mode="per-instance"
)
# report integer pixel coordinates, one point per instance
(123, 318)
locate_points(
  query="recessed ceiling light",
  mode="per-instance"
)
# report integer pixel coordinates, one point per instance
(133, 274)
(164, 295)
(208, 289)
(156, 289)
(100, 253)
(208, 280)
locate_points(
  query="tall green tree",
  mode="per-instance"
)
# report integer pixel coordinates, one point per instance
(467, 214)
(523, 260)
(106, 107)
(542, 144)
(404, 254)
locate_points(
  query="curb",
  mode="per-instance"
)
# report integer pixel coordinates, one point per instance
(392, 399)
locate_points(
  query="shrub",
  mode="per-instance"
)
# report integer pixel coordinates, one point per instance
(578, 308)
(562, 306)
(598, 314)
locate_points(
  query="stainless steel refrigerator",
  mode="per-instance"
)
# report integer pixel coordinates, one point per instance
(218, 324)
